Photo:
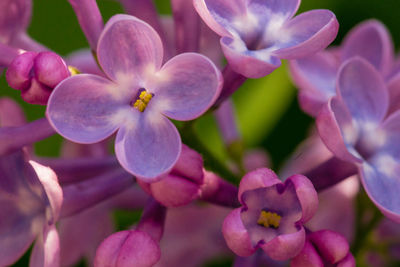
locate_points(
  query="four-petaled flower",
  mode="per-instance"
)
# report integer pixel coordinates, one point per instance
(137, 99)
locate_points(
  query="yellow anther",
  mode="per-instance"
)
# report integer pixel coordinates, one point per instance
(141, 103)
(269, 219)
(73, 70)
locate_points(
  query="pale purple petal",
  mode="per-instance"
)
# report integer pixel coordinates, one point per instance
(306, 194)
(307, 33)
(284, 247)
(15, 16)
(390, 135)
(249, 63)
(363, 90)
(337, 131)
(371, 41)
(46, 251)
(220, 14)
(129, 47)
(81, 108)
(84, 61)
(394, 93)
(236, 235)
(148, 147)
(285, 8)
(257, 179)
(316, 78)
(127, 248)
(187, 85)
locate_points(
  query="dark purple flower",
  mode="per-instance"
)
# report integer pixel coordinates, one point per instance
(316, 75)
(354, 127)
(257, 34)
(36, 74)
(272, 215)
(137, 99)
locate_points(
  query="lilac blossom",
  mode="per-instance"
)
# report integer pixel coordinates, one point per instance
(36, 75)
(323, 248)
(316, 75)
(30, 200)
(88, 108)
(272, 215)
(256, 34)
(354, 127)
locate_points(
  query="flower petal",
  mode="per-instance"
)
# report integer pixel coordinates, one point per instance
(219, 15)
(307, 257)
(148, 147)
(11, 114)
(363, 90)
(371, 41)
(129, 47)
(259, 178)
(285, 8)
(187, 85)
(316, 78)
(284, 247)
(394, 93)
(236, 235)
(250, 63)
(306, 194)
(332, 246)
(46, 252)
(308, 33)
(15, 16)
(81, 108)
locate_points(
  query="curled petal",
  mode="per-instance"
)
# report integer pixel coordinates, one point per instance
(188, 85)
(286, 246)
(371, 41)
(308, 33)
(307, 257)
(257, 179)
(306, 194)
(127, 248)
(332, 246)
(46, 252)
(348, 261)
(252, 64)
(148, 147)
(189, 165)
(363, 90)
(236, 235)
(81, 108)
(129, 46)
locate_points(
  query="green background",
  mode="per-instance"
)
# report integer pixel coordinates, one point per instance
(267, 108)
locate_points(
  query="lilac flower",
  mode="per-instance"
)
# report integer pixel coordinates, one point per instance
(323, 248)
(354, 128)
(272, 215)
(316, 75)
(257, 34)
(89, 108)
(36, 74)
(30, 201)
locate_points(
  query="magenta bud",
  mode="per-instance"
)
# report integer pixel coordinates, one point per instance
(128, 248)
(36, 75)
(332, 246)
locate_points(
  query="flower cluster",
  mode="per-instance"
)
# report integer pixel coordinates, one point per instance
(134, 116)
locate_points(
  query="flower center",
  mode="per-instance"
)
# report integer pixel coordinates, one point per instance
(142, 100)
(269, 219)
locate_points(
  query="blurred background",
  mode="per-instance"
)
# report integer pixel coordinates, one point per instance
(267, 109)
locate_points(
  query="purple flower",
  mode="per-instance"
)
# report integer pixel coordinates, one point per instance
(36, 74)
(272, 215)
(324, 248)
(137, 99)
(15, 16)
(316, 75)
(354, 127)
(30, 203)
(256, 34)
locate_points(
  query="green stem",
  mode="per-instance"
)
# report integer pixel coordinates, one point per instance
(190, 138)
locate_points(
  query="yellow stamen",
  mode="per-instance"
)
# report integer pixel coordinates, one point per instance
(73, 70)
(144, 99)
(269, 219)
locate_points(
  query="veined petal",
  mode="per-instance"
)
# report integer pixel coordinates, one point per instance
(46, 252)
(371, 41)
(84, 108)
(220, 15)
(363, 90)
(307, 33)
(149, 147)
(285, 8)
(187, 85)
(250, 63)
(129, 47)
(316, 78)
